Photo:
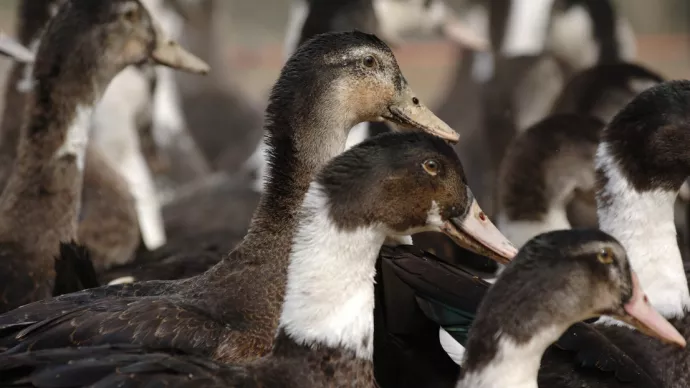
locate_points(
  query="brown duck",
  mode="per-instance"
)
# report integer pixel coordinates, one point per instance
(39, 205)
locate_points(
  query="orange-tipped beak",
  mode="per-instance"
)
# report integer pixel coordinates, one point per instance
(478, 234)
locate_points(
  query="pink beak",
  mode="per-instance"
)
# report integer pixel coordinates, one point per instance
(478, 234)
(641, 314)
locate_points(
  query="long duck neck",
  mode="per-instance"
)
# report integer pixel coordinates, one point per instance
(643, 223)
(43, 193)
(304, 133)
(327, 257)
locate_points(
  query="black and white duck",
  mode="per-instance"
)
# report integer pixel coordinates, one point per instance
(40, 203)
(556, 280)
(231, 312)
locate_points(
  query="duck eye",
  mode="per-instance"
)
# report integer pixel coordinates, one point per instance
(605, 256)
(369, 61)
(431, 167)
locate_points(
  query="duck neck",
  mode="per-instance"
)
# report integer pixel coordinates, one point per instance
(303, 135)
(643, 223)
(329, 301)
(44, 188)
(500, 360)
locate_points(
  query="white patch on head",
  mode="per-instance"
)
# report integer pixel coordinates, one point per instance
(521, 231)
(514, 365)
(571, 38)
(77, 136)
(455, 350)
(644, 224)
(358, 134)
(433, 217)
(299, 10)
(329, 298)
(26, 82)
(526, 28)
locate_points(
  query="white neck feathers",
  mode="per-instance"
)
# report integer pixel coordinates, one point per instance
(330, 288)
(514, 365)
(643, 223)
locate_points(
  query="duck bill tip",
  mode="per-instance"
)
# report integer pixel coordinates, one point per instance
(639, 313)
(418, 117)
(168, 52)
(478, 234)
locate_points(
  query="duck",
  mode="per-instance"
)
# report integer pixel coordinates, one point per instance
(108, 222)
(557, 279)
(39, 205)
(239, 325)
(335, 246)
(559, 151)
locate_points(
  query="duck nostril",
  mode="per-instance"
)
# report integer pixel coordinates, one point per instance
(415, 100)
(482, 216)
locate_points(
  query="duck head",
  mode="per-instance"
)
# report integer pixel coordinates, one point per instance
(357, 75)
(120, 32)
(428, 175)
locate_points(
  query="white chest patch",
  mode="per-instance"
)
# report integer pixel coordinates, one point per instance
(644, 225)
(77, 136)
(330, 292)
(514, 366)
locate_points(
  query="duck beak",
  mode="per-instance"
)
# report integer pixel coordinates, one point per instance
(640, 314)
(13, 49)
(462, 34)
(409, 113)
(478, 234)
(169, 53)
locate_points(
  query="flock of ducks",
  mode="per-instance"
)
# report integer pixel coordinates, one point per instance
(149, 236)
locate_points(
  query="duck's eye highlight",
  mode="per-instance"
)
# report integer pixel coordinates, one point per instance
(369, 61)
(431, 167)
(605, 256)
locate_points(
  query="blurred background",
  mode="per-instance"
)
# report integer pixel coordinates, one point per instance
(255, 33)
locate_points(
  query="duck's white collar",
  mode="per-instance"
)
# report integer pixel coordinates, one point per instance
(514, 365)
(330, 289)
(643, 223)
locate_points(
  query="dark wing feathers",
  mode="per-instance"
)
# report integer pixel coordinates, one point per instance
(582, 349)
(121, 366)
(157, 322)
